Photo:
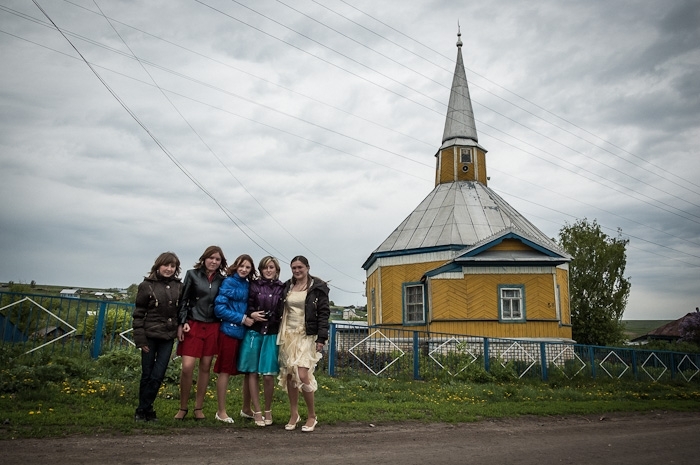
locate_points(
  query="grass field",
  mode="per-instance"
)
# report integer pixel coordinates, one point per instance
(635, 328)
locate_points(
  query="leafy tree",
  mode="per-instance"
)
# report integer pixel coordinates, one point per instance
(131, 292)
(598, 288)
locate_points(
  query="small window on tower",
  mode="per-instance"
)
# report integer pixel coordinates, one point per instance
(465, 155)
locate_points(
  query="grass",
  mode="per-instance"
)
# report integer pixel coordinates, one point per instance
(636, 328)
(49, 397)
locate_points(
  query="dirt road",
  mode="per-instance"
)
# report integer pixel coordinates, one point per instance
(635, 439)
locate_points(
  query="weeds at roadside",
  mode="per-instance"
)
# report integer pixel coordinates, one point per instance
(41, 396)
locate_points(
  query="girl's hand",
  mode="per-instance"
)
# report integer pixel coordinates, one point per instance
(145, 349)
(258, 316)
(319, 346)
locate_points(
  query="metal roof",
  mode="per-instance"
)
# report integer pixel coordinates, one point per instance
(462, 214)
(460, 115)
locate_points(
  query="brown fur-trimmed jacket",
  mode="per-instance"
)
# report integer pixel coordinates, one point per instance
(156, 310)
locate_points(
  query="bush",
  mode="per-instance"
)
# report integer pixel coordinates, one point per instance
(120, 364)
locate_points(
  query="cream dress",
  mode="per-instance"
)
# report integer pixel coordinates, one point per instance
(296, 348)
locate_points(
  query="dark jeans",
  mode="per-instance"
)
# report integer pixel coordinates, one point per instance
(153, 366)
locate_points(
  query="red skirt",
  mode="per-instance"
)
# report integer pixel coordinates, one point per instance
(202, 340)
(227, 358)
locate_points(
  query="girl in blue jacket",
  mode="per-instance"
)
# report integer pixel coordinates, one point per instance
(230, 306)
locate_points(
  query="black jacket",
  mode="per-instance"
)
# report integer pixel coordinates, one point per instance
(317, 309)
(156, 310)
(197, 297)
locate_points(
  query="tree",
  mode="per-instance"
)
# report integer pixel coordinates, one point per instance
(598, 288)
(131, 292)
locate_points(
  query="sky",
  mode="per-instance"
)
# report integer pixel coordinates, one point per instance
(311, 127)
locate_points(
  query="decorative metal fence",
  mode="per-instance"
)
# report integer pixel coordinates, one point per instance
(69, 326)
(401, 353)
(63, 325)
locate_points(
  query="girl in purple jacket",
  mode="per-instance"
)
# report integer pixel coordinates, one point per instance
(258, 352)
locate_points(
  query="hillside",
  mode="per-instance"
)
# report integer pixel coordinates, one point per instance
(635, 328)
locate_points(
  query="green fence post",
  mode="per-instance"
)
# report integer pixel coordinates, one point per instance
(487, 364)
(99, 330)
(331, 351)
(543, 360)
(416, 356)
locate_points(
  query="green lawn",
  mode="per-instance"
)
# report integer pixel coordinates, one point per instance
(36, 402)
(636, 328)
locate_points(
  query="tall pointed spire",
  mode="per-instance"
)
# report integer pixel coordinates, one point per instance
(459, 123)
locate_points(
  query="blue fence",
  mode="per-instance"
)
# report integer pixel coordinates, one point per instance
(64, 325)
(70, 326)
(399, 353)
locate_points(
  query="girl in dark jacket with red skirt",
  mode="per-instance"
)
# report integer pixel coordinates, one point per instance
(198, 332)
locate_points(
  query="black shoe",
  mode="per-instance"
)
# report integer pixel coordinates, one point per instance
(140, 415)
(151, 416)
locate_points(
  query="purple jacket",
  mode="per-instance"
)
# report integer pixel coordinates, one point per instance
(266, 295)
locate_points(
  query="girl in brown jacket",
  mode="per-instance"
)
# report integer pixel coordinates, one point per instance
(155, 323)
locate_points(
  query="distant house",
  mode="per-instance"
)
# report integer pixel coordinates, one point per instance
(104, 295)
(50, 332)
(668, 332)
(70, 293)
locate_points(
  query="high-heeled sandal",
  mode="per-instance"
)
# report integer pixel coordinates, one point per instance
(308, 429)
(196, 418)
(182, 417)
(224, 419)
(246, 416)
(268, 417)
(261, 421)
(292, 426)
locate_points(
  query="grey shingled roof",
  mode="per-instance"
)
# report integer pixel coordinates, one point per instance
(459, 214)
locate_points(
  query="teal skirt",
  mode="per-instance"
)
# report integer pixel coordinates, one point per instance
(258, 353)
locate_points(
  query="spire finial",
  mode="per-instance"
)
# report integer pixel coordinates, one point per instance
(459, 35)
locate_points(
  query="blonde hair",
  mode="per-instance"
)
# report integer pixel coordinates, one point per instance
(266, 261)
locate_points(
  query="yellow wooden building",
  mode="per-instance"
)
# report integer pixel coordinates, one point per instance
(464, 261)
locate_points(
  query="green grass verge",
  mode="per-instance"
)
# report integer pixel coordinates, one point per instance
(93, 406)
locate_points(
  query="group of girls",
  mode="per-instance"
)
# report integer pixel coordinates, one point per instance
(249, 320)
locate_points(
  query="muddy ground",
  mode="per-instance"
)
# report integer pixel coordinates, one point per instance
(639, 439)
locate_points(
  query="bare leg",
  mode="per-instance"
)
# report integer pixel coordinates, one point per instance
(221, 388)
(293, 393)
(308, 396)
(253, 381)
(202, 384)
(188, 364)
(246, 396)
(269, 391)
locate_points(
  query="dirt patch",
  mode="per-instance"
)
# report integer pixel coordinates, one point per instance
(649, 438)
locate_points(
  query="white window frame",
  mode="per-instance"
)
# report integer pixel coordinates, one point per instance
(510, 295)
(413, 303)
(465, 151)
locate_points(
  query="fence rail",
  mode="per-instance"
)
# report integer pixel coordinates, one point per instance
(68, 326)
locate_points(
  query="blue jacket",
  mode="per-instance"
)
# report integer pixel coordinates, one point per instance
(230, 305)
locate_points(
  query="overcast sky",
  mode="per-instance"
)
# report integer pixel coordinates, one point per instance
(310, 127)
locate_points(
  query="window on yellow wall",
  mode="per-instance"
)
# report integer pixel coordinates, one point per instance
(413, 303)
(374, 308)
(511, 302)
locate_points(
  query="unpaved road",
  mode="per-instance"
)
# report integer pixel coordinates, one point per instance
(636, 439)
